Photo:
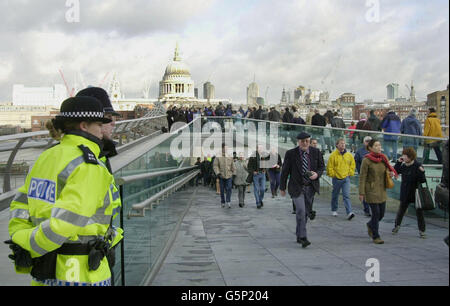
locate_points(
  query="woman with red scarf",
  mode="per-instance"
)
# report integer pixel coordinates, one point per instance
(372, 186)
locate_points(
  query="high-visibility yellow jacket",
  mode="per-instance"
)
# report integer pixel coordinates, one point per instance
(340, 165)
(68, 197)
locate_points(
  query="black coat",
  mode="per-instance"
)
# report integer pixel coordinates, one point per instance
(258, 114)
(411, 176)
(204, 167)
(318, 120)
(275, 116)
(292, 168)
(298, 120)
(375, 123)
(254, 163)
(287, 117)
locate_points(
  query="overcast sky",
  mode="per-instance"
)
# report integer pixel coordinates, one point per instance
(356, 46)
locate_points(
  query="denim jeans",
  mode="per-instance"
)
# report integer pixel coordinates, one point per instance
(390, 149)
(225, 188)
(322, 142)
(337, 186)
(366, 207)
(259, 186)
(410, 143)
(274, 180)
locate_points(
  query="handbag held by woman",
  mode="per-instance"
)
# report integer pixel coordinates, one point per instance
(424, 199)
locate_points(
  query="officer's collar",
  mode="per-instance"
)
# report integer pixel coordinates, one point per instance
(88, 136)
(109, 148)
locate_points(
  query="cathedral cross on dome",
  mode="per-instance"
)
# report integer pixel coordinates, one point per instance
(177, 57)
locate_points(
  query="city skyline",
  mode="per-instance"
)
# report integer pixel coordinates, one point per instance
(335, 46)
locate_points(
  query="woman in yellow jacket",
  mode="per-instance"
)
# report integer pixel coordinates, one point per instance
(341, 165)
(60, 220)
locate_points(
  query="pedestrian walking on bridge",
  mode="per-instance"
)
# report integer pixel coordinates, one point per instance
(304, 166)
(240, 178)
(341, 166)
(372, 186)
(224, 169)
(412, 174)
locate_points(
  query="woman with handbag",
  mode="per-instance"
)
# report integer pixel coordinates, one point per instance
(375, 175)
(412, 174)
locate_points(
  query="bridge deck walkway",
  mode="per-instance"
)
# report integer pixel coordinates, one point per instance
(249, 246)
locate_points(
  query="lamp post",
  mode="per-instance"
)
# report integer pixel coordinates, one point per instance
(443, 109)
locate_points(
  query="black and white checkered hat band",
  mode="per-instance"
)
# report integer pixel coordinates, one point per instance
(82, 114)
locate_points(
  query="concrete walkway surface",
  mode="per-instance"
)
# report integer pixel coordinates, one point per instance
(251, 247)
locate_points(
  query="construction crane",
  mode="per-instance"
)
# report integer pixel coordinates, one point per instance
(103, 81)
(412, 93)
(70, 92)
(409, 89)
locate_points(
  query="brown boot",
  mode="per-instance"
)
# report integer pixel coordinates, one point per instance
(378, 241)
(369, 231)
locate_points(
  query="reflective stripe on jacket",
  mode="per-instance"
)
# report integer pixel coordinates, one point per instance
(65, 200)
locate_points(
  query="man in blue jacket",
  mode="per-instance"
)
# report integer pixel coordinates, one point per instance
(411, 126)
(391, 124)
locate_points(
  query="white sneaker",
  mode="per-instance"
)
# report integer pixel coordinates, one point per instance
(229, 205)
(335, 213)
(422, 235)
(350, 216)
(223, 205)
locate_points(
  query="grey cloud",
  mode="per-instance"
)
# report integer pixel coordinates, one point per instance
(333, 47)
(128, 18)
(322, 44)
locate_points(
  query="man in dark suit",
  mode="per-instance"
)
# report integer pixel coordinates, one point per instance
(304, 166)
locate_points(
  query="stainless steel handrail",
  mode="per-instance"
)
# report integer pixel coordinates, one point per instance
(45, 133)
(141, 171)
(23, 135)
(143, 205)
(133, 178)
(127, 146)
(139, 119)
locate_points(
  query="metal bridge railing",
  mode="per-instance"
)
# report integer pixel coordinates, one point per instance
(125, 133)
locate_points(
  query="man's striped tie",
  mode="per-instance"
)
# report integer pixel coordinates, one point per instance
(305, 167)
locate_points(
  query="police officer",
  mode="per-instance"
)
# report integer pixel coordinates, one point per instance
(109, 146)
(60, 220)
